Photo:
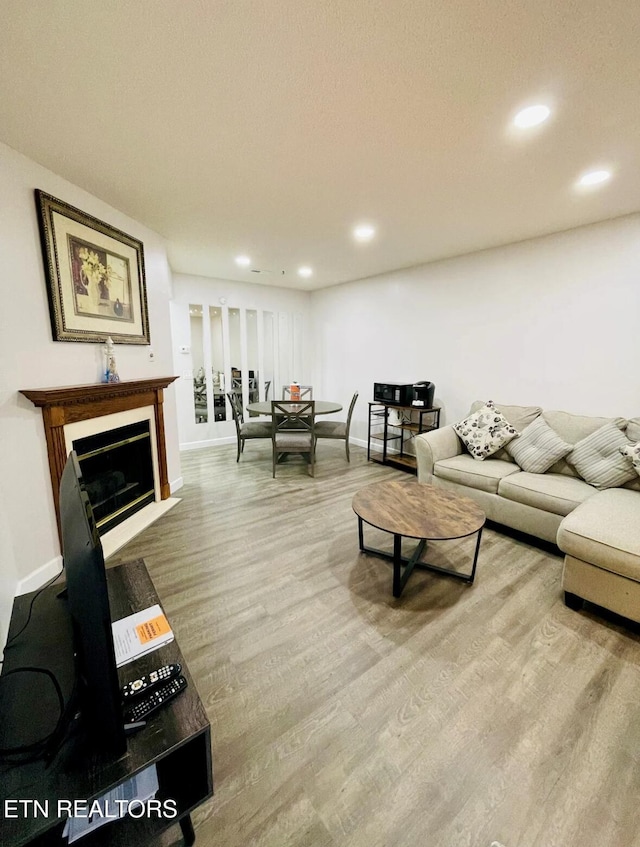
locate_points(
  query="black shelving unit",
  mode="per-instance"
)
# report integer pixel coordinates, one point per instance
(383, 434)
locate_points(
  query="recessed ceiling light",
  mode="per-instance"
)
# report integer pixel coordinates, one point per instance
(532, 116)
(305, 271)
(364, 232)
(593, 178)
(243, 261)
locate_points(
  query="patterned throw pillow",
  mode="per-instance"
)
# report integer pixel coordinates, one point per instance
(597, 458)
(485, 431)
(632, 451)
(538, 447)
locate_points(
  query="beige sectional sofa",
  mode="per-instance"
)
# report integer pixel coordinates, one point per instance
(598, 530)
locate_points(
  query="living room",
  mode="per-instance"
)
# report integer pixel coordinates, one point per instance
(549, 320)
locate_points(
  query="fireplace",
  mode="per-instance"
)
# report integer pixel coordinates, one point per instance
(117, 469)
(85, 418)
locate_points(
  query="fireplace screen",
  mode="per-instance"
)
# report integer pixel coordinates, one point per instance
(117, 468)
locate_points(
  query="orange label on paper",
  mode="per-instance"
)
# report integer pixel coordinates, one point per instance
(153, 629)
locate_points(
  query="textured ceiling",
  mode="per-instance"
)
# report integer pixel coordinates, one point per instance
(272, 127)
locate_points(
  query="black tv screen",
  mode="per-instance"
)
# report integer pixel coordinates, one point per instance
(88, 601)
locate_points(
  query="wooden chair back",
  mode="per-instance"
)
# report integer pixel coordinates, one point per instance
(293, 429)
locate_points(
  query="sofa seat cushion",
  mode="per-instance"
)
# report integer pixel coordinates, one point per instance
(550, 492)
(465, 470)
(605, 531)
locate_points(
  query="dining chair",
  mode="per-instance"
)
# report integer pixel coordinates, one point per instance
(337, 429)
(293, 430)
(306, 392)
(245, 431)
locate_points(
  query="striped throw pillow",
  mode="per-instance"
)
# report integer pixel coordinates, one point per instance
(538, 447)
(598, 460)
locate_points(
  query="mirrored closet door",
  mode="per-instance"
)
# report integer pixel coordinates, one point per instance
(198, 365)
(235, 349)
(218, 376)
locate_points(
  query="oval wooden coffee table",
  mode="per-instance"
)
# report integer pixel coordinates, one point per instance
(413, 510)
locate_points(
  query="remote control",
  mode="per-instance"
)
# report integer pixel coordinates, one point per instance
(146, 683)
(158, 697)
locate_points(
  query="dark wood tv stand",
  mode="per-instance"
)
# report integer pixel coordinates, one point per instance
(177, 738)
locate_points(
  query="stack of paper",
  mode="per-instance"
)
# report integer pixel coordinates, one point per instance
(112, 805)
(141, 633)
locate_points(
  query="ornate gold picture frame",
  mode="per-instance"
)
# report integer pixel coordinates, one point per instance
(95, 276)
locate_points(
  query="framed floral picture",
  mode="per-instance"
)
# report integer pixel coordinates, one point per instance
(95, 276)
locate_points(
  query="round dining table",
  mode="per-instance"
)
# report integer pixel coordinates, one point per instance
(322, 407)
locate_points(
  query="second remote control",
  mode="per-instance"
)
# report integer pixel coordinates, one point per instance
(158, 697)
(148, 682)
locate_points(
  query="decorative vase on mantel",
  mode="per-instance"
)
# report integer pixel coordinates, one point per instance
(111, 370)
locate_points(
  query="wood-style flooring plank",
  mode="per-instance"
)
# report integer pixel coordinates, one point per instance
(453, 716)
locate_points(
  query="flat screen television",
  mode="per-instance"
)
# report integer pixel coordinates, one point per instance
(88, 602)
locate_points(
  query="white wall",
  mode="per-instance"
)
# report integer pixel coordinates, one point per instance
(29, 358)
(553, 321)
(8, 578)
(291, 310)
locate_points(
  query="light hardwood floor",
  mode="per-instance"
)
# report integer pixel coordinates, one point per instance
(452, 717)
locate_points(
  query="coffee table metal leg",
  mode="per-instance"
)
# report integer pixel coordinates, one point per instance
(475, 557)
(403, 567)
(397, 565)
(465, 577)
(400, 577)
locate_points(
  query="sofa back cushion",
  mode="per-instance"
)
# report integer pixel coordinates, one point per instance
(518, 416)
(573, 428)
(633, 430)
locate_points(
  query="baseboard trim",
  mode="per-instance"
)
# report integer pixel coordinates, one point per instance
(362, 442)
(111, 541)
(40, 576)
(176, 485)
(210, 442)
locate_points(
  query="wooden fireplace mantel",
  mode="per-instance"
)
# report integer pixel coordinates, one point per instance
(71, 403)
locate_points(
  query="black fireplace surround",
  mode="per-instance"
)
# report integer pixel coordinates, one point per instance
(117, 468)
